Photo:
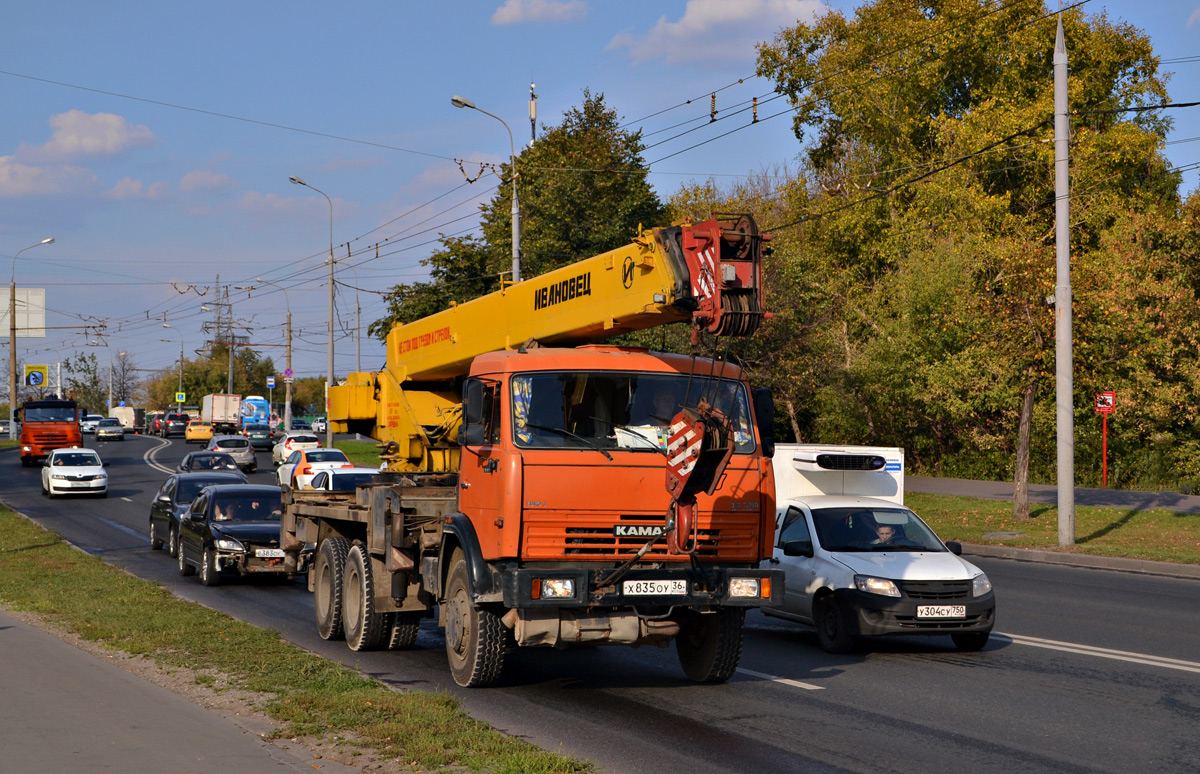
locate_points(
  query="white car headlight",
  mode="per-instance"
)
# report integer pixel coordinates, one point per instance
(743, 587)
(873, 585)
(229, 544)
(57, 477)
(980, 585)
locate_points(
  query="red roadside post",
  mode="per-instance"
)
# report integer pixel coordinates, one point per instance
(1106, 403)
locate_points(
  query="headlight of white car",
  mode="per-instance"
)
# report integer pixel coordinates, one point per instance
(980, 585)
(873, 585)
(58, 477)
(228, 544)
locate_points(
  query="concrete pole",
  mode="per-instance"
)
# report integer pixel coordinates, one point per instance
(12, 339)
(287, 408)
(1063, 356)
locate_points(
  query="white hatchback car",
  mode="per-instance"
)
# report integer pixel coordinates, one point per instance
(293, 442)
(74, 471)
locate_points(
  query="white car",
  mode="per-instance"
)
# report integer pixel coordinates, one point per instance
(290, 443)
(342, 479)
(109, 429)
(74, 471)
(319, 425)
(89, 422)
(297, 471)
(858, 563)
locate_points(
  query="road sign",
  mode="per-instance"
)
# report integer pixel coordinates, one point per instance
(180, 397)
(1106, 402)
(35, 375)
(288, 373)
(271, 382)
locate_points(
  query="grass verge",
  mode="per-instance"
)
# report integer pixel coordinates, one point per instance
(309, 695)
(365, 453)
(1158, 535)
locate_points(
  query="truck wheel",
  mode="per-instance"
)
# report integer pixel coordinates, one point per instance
(185, 569)
(476, 640)
(710, 645)
(209, 574)
(832, 632)
(971, 640)
(365, 628)
(404, 630)
(327, 587)
(156, 543)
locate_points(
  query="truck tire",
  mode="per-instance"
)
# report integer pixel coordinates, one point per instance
(832, 631)
(365, 628)
(476, 640)
(156, 542)
(209, 574)
(328, 570)
(403, 630)
(710, 645)
(969, 641)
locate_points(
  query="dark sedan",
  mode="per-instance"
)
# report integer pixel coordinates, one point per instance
(233, 529)
(206, 460)
(176, 494)
(260, 436)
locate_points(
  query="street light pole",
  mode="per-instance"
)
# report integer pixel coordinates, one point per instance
(463, 102)
(12, 340)
(287, 380)
(179, 407)
(329, 354)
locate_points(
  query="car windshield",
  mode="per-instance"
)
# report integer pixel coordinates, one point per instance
(303, 439)
(76, 459)
(109, 422)
(893, 528)
(211, 462)
(327, 455)
(266, 507)
(189, 488)
(257, 428)
(50, 414)
(346, 482)
(233, 443)
(630, 411)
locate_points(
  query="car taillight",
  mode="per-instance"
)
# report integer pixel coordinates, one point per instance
(304, 470)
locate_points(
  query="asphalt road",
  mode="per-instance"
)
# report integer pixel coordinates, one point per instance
(1089, 670)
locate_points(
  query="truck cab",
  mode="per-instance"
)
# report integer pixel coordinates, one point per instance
(47, 425)
(858, 563)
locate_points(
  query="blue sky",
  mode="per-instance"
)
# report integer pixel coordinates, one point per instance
(154, 142)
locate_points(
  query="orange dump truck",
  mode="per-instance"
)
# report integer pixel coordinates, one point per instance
(47, 425)
(543, 490)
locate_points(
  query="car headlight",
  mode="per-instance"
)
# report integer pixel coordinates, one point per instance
(743, 587)
(57, 477)
(980, 585)
(228, 544)
(873, 585)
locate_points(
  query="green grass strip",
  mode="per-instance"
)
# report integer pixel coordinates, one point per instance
(365, 453)
(1158, 535)
(41, 574)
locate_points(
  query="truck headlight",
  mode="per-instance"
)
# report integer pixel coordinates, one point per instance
(980, 585)
(743, 587)
(228, 544)
(873, 585)
(553, 588)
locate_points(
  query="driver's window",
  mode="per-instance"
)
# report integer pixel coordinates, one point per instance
(794, 527)
(199, 504)
(319, 481)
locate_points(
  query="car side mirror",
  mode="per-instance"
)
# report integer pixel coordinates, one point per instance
(798, 548)
(164, 499)
(955, 547)
(107, 464)
(45, 463)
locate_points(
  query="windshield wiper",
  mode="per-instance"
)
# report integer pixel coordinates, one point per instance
(651, 443)
(570, 434)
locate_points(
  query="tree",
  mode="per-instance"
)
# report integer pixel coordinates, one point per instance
(82, 380)
(582, 191)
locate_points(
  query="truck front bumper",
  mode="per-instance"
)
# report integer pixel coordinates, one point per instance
(642, 589)
(874, 614)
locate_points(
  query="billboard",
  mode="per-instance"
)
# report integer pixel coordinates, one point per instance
(31, 313)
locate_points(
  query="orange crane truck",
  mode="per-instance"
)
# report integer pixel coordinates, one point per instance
(544, 490)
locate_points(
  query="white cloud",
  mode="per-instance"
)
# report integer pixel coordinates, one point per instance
(205, 180)
(554, 11)
(1194, 19)
(717, 30)
(17, 179)
(78, 135)
(129, 188)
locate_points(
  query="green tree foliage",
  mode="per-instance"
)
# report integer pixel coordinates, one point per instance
(924, 240)
(582, 191)
(210, 375)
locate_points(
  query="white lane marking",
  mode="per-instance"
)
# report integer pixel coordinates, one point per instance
(783, 680)
(1089, 650)
(126, 499)
(121, 527)
(148, 457)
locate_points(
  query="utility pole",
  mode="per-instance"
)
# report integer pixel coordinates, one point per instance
(1063, 355)
(532, 115)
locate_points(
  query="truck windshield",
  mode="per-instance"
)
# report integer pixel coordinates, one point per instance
(873, 529)
(50, 414)
(629, 411)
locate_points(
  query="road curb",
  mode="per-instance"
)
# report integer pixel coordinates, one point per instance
(1117, 564)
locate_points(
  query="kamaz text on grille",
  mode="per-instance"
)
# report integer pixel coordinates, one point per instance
(575, 287)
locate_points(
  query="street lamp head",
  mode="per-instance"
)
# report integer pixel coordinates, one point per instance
(47, 241)
(166, 325)
(297, 180)
(461, 102)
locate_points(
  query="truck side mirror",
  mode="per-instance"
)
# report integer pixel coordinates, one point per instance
(476, 413)
(473, 402)
(798, 548)
(764, 414)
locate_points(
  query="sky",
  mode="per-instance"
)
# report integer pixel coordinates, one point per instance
(155, 141)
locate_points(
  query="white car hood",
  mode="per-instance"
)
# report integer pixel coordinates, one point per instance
(908, 565)
(77, 470)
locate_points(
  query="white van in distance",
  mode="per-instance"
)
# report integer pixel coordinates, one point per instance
(858, 563)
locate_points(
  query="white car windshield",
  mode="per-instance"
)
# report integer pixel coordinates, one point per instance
(75, 459)
(871, 528)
